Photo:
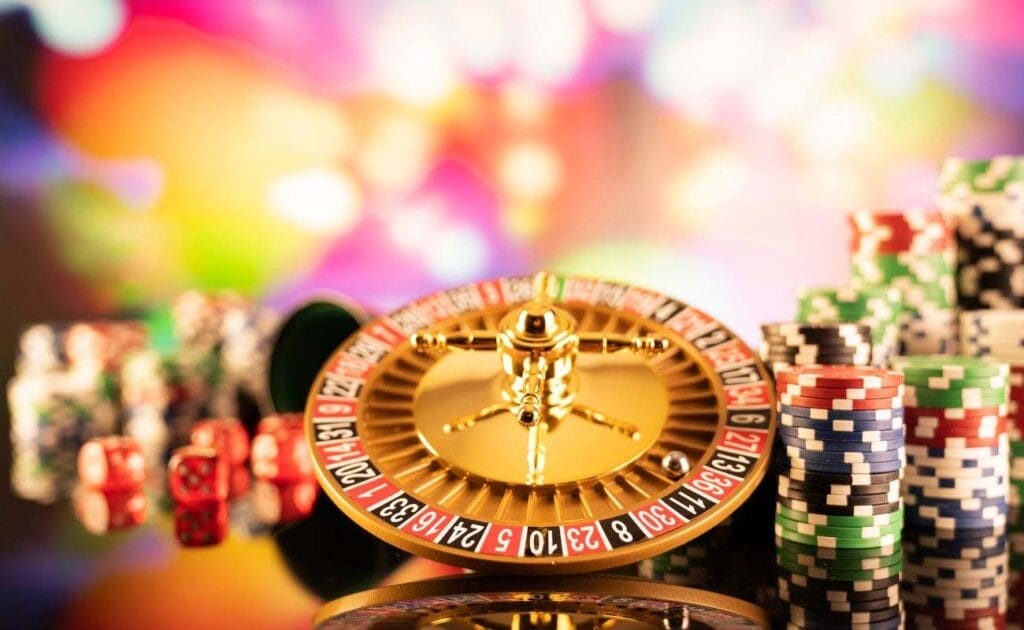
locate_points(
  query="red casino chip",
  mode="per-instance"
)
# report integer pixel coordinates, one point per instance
(957, 442)
(839, 376)
(953, 619)
(841, 404)
(953, 414)
(892, 232)
(989, 431)
(853, 393)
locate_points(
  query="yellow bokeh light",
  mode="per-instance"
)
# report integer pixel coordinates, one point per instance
(397, 153)
(530, 171)
(319, 200)
(696, 194)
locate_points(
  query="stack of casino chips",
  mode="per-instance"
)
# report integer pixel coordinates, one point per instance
(791, 343)
(52, 415)
(955, 579)
(999, 335)
(838, 512)
(249, 334)
(957, 447)
(63, 393)
(914, 252)
(1015, 612)
(699, 563)
(160, 403)
(881, 308)
(41, 349)
(224, 344)
(986, 197)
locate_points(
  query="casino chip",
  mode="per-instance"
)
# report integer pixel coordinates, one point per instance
(952, 579)
(999, 336)
(697, 563)
(911, 252)
(985, 197)
(52, 415)
(880, 309)
(957, 445)
(64, 392)
(794, 343)
(841, 376)
(1015, 583)
(839, 514)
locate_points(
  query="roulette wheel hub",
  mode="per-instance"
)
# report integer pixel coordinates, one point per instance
(537, 376)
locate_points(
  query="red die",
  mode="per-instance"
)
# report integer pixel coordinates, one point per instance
(283, 503)
(287, 421)
(281, 456)
(104, 512)
(238, 481)
(201, 525)
(111, 463)
(196, 475)
(227, 435)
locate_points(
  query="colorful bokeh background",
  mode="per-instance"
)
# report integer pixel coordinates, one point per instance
(707, 148)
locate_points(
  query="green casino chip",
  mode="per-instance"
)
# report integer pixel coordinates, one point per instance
(852, 575)
(917, 369)
(834, 542)
(848, 553)
(996, 383)
(841, 564)
(994, 175)
(968, 398)
(872, 531)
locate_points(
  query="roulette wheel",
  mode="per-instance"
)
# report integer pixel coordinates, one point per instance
(576, 602)
(543, 425)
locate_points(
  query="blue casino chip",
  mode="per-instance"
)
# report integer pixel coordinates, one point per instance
(840, 426)
(948, 522)
(831, 446)
(949, 568)
(932, 477)
(894, 465)
(827, 435)
(939, 452)
(895, 623)
(968, 504)
(844, 457)
(954, 463)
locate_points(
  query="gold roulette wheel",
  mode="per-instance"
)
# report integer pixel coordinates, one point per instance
(541, 425)
(598, 602)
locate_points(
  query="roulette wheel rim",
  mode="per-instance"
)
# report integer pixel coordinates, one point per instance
(568, 533)
(625, 598)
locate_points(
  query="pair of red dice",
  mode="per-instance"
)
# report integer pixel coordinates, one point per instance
(279, 450)
(203, 476)
(286, 488)
(111, 472)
